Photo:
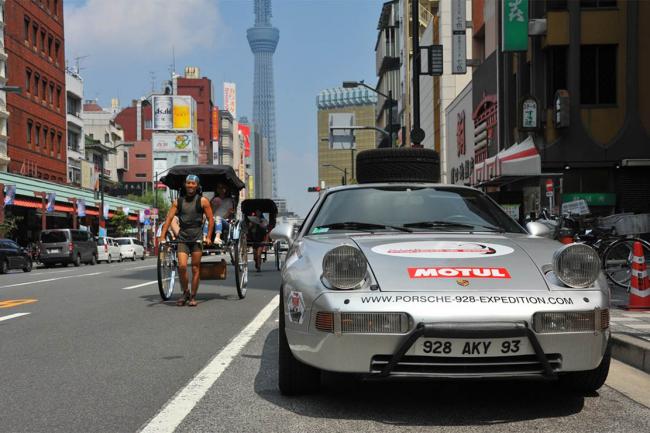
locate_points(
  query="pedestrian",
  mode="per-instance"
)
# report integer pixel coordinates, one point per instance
(258, 229)
(191, 207)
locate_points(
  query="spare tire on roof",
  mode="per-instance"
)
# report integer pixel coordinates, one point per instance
(403, 164)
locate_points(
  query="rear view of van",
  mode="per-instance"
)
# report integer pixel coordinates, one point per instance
(67, 246)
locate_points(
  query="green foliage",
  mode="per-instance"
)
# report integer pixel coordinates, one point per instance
(9, 226)
(120, 223)
(158, 200)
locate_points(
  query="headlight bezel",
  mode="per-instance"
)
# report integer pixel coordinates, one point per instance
(574, 256)
(338, 282)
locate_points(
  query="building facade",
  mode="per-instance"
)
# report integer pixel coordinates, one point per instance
(201, 90)
(226, 135)
(135, 122)
(74, 92)
(388, 68)
(4, 114)
(336, 165)
(34, 41)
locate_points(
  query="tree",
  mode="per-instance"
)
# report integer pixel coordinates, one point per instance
(158, 200)
(120, 222)
(9, 226)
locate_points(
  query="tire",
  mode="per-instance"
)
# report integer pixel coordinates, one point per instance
(4, 267)
(294, 377)
(240, 257)
(617, 260)
(28, 267)
(167, 272)
(93, 260)
(133, 257)
(588, 381)
(109, 260)
(77, 261)
(121, 258)
(143, 256)
(276, 251)
(404, 164)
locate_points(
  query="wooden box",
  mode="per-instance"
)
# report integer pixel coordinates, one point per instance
(213, 270)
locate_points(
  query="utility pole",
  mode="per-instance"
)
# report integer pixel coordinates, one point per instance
(417, 134)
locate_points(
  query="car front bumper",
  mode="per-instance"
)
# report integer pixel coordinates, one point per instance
(469, 316)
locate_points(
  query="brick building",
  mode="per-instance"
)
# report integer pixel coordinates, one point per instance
(34, 41)
(201, 90)
(136, 124)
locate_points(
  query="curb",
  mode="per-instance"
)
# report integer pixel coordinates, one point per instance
(632, 351)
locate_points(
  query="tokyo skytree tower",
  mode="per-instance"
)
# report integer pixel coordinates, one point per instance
(263, 39)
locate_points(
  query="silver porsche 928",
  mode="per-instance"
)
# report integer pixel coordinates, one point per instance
(436, 281)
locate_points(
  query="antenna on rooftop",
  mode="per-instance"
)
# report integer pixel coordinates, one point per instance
(152, 76)
(77, 63)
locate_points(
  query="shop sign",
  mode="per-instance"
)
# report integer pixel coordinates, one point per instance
(529, 114)
(514, 19)
(592, 198)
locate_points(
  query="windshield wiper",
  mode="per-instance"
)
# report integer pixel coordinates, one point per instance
(449, 224)
(355, 225)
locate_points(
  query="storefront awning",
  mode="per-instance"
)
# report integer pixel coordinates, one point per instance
(519, 160)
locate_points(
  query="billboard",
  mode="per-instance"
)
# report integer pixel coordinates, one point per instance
(173, 142)
(230, 98)
(245, 132)
(215, 123)
(173, 113)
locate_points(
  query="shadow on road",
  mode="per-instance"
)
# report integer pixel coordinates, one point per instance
(155, 300)
(428, 403)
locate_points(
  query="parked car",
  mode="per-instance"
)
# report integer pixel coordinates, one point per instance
(108, 250)
(12, 256)
(67, 246)
(131, 248)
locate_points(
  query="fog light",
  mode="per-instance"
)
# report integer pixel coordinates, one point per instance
(567, 321)
(375, 323)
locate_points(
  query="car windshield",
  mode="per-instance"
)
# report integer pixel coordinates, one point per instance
(417, 208)
(123, 241)
(53, 237)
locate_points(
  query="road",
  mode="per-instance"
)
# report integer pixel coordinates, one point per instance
(99, 352)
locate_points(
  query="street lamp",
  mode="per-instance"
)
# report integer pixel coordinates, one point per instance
(344, 170)
(389, 98)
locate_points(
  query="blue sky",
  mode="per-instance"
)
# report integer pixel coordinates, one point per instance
(322, 42)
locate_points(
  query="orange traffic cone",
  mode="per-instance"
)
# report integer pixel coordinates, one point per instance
(639, 282)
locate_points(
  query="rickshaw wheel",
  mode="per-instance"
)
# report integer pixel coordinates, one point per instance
(276, 252)
(240, 253)
(167, 268)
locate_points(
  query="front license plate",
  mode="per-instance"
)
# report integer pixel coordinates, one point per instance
(471, 347)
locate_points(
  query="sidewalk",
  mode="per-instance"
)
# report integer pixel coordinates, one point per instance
(630, 332)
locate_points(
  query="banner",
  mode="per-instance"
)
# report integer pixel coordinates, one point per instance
(141, 216)
(105, 211)
(230, 98)
(514, 19)
(10, 194)
(215, 123)
(51, 200)
(81, 208)
(245, 132)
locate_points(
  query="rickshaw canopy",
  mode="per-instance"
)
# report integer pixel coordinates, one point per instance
(209, 175)
(251, 205)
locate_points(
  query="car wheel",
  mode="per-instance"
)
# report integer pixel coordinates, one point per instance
(77, 261)
(28, 266)
(404, 164)
(133, 257)
(142, 258)
(294, 377)
(4, 267)
(93, 260)
(121, 258)
(590, 380)
(110, 259)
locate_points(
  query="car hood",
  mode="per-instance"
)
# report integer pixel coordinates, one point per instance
(452, 262)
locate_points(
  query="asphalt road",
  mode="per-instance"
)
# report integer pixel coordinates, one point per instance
(93, 357)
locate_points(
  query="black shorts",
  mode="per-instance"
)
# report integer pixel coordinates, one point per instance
(190, 247)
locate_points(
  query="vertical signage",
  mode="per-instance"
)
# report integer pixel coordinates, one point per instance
(181, 117)
(514, 22)
(215, 123)
(163, 112)
(458, 37)
(230, 98)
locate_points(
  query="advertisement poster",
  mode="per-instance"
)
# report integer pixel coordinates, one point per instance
(81, 208)
(182, 117)
(215, 123)
(173, 113)
(230, 98)
(245, 133)
(51, 200)
(173, 142)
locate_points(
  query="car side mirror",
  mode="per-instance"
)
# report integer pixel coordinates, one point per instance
(537, 229)
(283, 232)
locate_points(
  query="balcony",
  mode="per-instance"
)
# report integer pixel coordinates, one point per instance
(387, 50)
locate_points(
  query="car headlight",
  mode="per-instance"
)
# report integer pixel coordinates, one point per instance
(576, 265)
(344, 267)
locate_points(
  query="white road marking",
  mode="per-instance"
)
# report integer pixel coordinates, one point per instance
(148, 283)
(144, 267)
(12, 316)
(624, 319)
(50, 279)
(176, 409)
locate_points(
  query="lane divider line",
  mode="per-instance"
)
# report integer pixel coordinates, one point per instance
(50, 279)
(179, 406)
(148, 283)
(13, 316)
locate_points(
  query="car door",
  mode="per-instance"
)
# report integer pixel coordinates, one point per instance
(5, 253)
(14, 255)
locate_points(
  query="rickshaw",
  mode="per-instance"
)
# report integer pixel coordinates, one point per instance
(250, 208)
(234, 240)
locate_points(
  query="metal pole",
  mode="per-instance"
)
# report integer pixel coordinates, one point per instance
(390, 116)
(2, 203)
(102, 223)
(352, 162)
(345, 176)
(415, 30)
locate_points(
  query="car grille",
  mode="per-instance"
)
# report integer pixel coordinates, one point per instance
(502, 366)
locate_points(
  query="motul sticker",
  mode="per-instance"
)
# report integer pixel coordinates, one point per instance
(442, 272)
(443, 250)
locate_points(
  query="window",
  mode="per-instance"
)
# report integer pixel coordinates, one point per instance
(598, 74)
(37, 135)
(183, 158)
(59, 138)
(28, 80)
(50, 95)
(29, 132)
(45, 138)
(52, 140)
(34, 34)
(587, 4)
(556, 5)
(140, 156)
(58, 96)
(43, 41)
(56, 8)
(44, 94)
(147, 124)
(141, 175)
(57, 45)
(73, 140)
(37, 83)
(49, 45)
(26, 28)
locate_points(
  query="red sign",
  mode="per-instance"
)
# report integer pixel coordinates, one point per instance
(549, 185)
(245, 131)
(442, 272)
(215, 123)
(460, 134)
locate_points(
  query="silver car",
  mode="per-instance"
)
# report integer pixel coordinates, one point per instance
(419, 280)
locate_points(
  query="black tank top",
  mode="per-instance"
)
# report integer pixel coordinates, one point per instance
(190, 218)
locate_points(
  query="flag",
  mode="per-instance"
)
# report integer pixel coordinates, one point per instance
(141, 216)
(81, 208)
(51, 201)
(126, 211)
(10, 194)
(105, 211)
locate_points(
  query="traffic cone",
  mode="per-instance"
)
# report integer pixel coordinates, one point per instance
(639, 282)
